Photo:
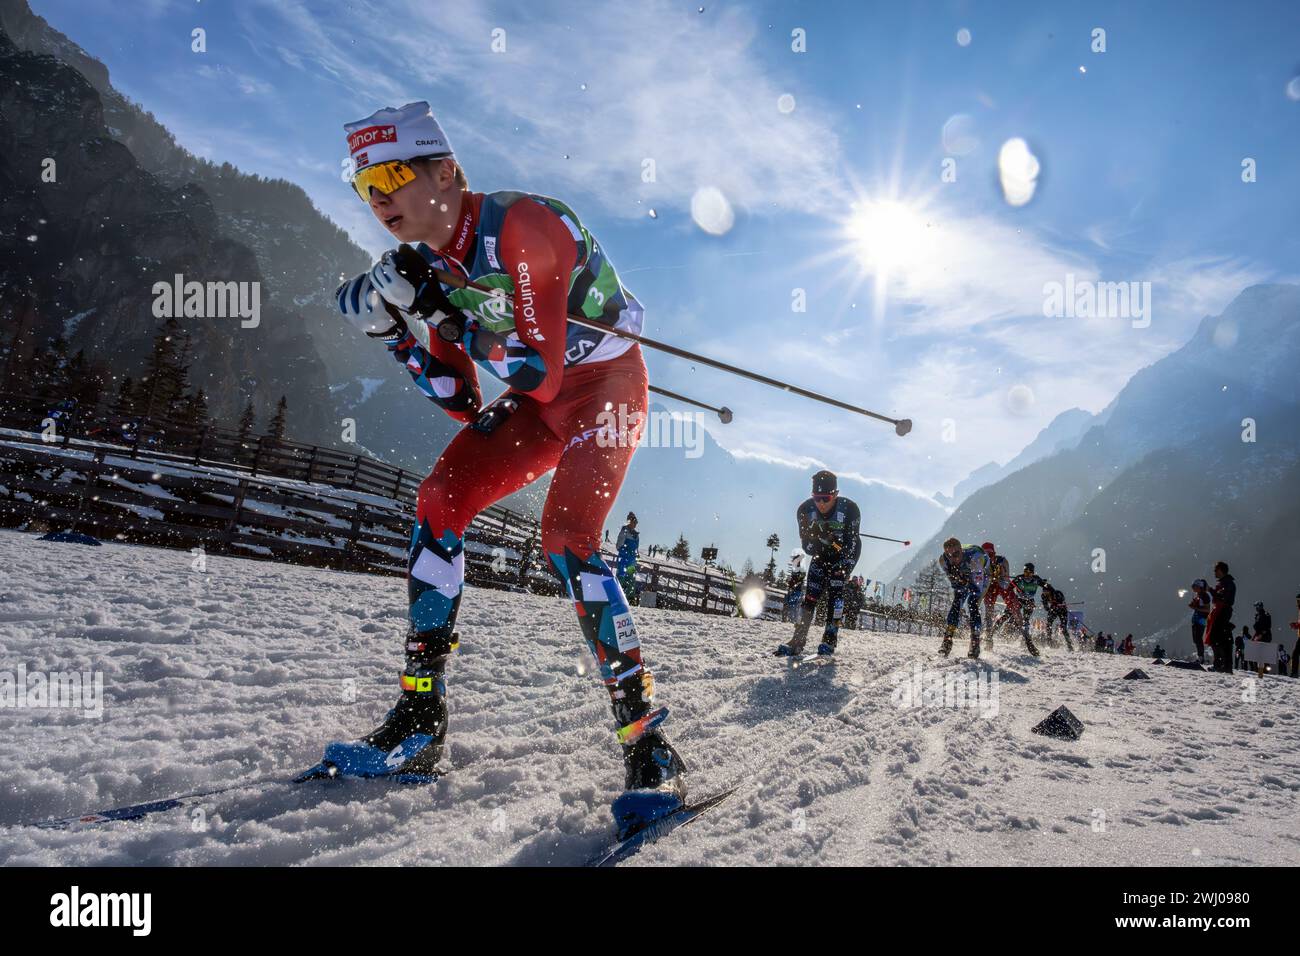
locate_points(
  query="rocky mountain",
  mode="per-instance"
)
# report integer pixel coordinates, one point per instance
(85, 232)
(238, 228)
(1195, 461)
(1062, 432)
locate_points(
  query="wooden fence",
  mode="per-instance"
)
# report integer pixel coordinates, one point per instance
(278, 500)
(168, 440)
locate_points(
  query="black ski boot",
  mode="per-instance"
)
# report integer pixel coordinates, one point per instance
(409, 743)
(417, 714)
(1031, 646)
(946, 647)
(973, 651)
(830, 638)
(652, 764)
(654, 775)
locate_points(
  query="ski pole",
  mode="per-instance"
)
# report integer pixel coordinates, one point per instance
(879, 538)
(723, 413)
(901, 425)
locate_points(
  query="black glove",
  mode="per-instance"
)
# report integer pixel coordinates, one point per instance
(828, 547)
(406, 280)
(495, 414)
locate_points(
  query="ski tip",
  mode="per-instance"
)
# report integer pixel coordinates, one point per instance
(323, 770)
(626, 847)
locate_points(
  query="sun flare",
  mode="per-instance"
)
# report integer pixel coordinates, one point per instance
(888, 236)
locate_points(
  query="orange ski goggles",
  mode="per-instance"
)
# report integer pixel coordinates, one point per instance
(386, 177)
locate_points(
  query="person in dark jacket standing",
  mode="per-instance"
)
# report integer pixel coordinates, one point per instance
(1263, 630)
(1295, 651)
(1219, 624)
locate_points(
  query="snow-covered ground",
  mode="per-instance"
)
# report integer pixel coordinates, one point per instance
(247, 669)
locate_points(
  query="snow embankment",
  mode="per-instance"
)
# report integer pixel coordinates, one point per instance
(248, 668)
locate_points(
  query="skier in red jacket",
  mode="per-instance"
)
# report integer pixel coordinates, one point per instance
(567, 387)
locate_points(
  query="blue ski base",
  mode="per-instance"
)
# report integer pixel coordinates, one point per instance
(635, 810)
(357, 759)
(656, 829)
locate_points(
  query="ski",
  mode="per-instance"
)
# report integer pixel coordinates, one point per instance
(658, 829)
(813, 658)
(138, 811)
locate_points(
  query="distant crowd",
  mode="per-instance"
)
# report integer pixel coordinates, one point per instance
(1212, 626)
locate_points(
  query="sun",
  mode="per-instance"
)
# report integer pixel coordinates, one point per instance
(887, 236)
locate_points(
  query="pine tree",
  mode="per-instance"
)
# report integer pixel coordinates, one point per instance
(275, 430)
(18, 360)
(86, 381)
(183, 402)
(769, 572)
(124, 404)
(50, 370)
(200, 406)
(192, 411)
(166, 377)
(681, 551)
(246, 422)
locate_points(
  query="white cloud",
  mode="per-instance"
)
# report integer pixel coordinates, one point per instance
(978, 270)
(805, 464)
(663, 83)
(1191, 288)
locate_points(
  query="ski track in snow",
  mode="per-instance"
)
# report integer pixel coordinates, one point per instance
(243, 672)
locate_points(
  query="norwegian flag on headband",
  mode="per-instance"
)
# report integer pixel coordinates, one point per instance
(389, 134)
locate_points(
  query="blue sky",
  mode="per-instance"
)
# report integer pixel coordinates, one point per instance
(931, 307)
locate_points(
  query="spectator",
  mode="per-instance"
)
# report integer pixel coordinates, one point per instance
(853, 601)
(626, 548)
(1110, 643)
(1219, 624)
(1263, 624)
(1242, 638)
(1263, 631)
(1159, 653)
(1295, 651)
(1128, 646)
(793, 596)
(1200, 605)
